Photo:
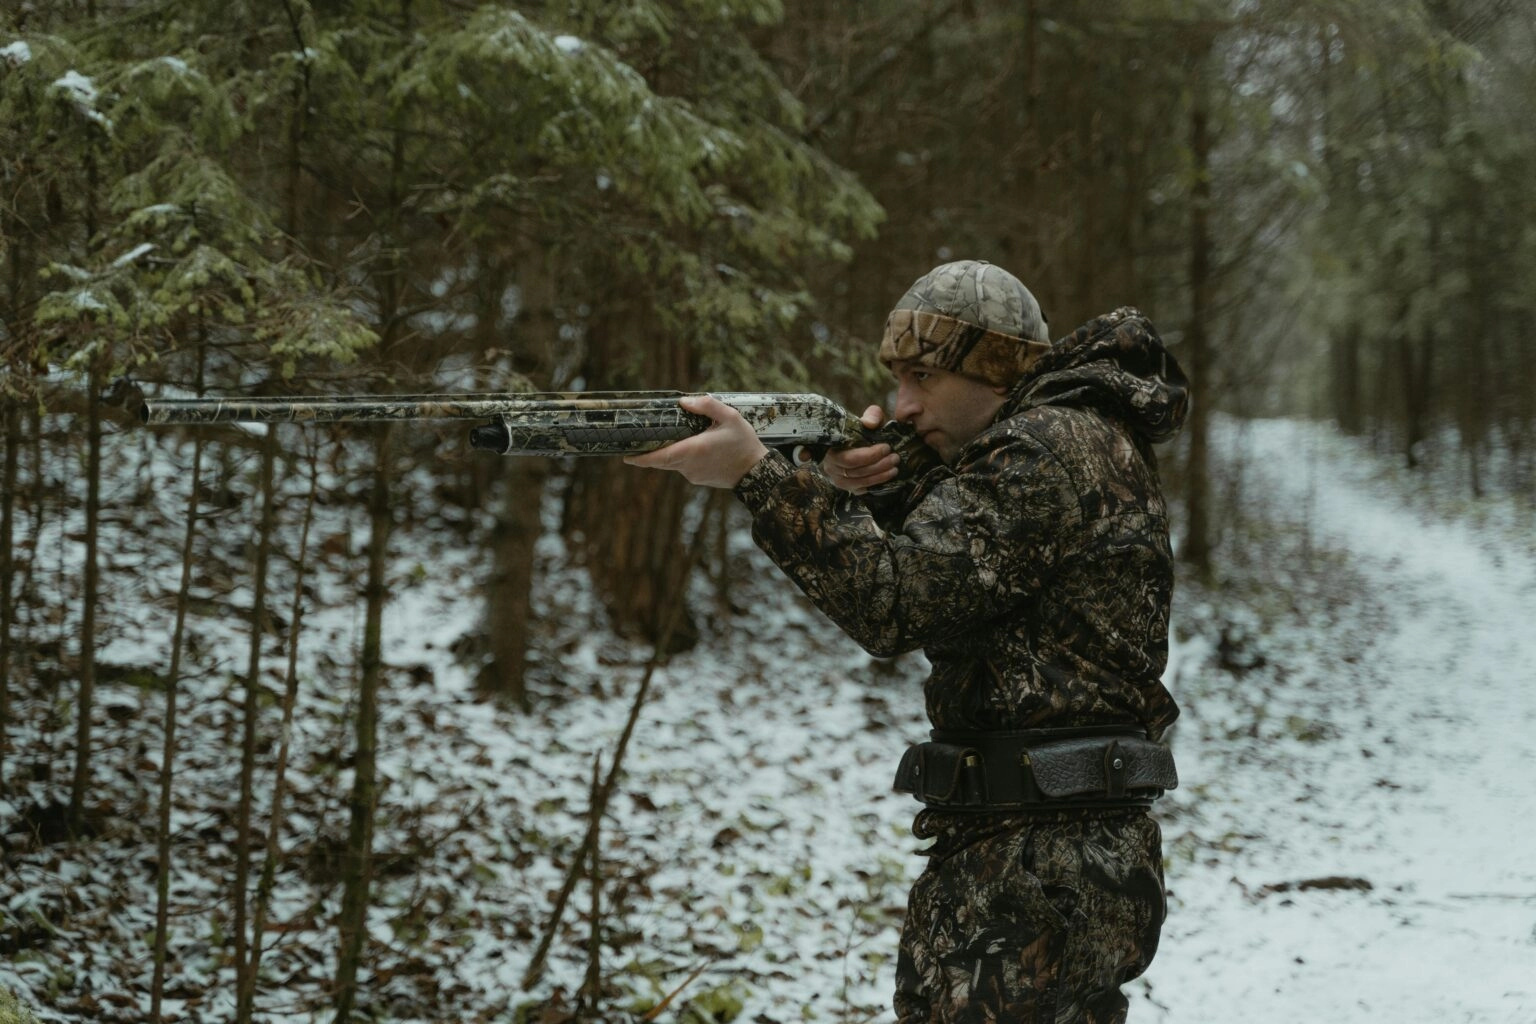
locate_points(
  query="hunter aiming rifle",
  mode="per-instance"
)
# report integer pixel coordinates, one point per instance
(568, 423)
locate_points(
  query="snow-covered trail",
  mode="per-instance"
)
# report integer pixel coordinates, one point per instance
(1386, 746)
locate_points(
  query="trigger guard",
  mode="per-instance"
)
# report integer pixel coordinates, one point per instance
(803, 454)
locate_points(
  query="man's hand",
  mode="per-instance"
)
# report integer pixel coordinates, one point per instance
(719, 457)
(858, 469)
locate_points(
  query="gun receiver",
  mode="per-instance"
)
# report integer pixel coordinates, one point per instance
(558, 423)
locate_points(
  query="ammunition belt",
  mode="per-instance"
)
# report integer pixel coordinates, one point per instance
(1037, 769)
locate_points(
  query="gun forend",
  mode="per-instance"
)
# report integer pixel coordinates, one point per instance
(597, 426)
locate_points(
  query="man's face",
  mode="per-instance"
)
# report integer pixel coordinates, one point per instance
(947, 409)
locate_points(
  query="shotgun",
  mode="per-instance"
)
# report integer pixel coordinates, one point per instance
(569, 423)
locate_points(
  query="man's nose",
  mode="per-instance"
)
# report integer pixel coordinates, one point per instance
(907, 406)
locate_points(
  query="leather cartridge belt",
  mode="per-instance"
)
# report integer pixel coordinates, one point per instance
(1038, 769)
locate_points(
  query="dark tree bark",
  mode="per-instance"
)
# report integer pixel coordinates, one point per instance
(89, 600)
(1347, 405)
(246, 995)
(13, 441)
(92, 574)
(252, 709)
(509, 591)
(1086, 280)
(592, 984)
(25, 599)
(168, 749)
(626, 522)
(1029, 162)
(1473, 416)
(1197, 357)
(357, 859)
(1344, 345)
(1415, 365)
(629, 524)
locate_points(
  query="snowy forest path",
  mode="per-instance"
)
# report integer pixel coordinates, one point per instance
(1355, 838)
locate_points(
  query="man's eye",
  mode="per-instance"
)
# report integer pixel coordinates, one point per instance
(920, 375)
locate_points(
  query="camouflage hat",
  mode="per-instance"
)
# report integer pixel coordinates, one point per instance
(967, 317)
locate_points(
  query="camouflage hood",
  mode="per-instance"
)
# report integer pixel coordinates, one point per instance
(1115, 365)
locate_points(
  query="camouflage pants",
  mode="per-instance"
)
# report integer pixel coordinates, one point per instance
(1030, 921)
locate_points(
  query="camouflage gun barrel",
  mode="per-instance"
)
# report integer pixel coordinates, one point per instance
(548, 423)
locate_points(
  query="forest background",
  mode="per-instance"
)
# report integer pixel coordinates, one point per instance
(1328, 208)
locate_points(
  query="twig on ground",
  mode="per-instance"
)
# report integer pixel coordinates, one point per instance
(592, 985)
(661, 1007)
(1519, 897)
(535, 970)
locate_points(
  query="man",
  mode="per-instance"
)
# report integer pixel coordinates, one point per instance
(1033, 567)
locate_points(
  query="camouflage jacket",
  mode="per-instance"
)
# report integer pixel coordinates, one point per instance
(1035, 572)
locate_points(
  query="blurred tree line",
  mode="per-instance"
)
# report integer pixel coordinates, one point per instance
(1326, 205)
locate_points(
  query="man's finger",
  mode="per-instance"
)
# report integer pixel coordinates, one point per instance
(664, 457)
(885, 464)
(873, 417)
(861, 484)
(854, 458)
(648, 460)
(708, 405)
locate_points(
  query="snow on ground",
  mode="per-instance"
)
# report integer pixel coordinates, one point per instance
(1352, 841)
(754, 834)
(1382, 753)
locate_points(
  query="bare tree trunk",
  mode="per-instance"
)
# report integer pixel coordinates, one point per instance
(252, 709)
(1415, 364)
(592, 985)
(1479, 423)
(357, 858)
(13, 443)
(168, 749)
(248, 958)
(1472, 415)
(720, 510)
(1346, 379)
(7, 609)
(1034, 231)
(1089, 184)
(1197, 541)
(634, 556)
(1127, 248)
(509, 590)
(87, 696)
(1380, 414)
(1339, 378)
(246, 996)
(1344, 347)
(25, 600)
(357, 862)
(628, 523)
(86, 702)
